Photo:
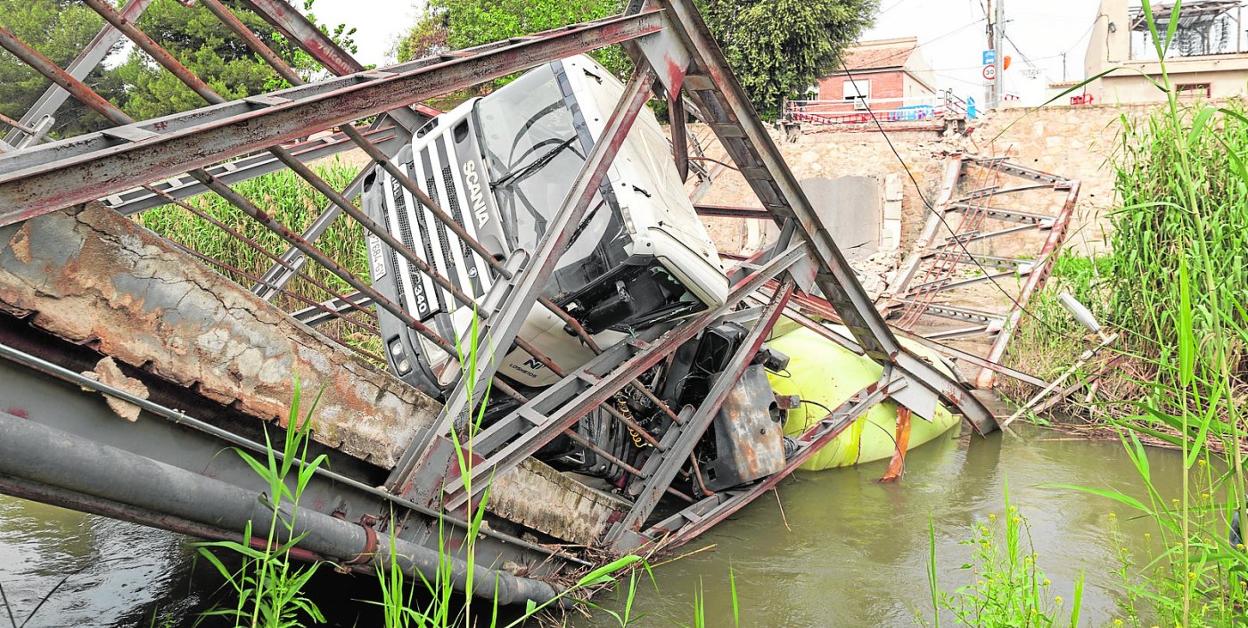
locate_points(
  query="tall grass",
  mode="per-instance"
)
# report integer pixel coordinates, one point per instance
(289, 199)
(1008, 588)
(1179, 278)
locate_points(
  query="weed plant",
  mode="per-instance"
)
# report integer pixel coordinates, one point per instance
(268, 586)
(1009, 587)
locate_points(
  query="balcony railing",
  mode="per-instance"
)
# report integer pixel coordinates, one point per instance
(936, 109)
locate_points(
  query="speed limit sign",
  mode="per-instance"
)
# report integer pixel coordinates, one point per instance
(990, 73)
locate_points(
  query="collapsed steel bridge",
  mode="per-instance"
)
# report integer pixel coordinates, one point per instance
(104, 321)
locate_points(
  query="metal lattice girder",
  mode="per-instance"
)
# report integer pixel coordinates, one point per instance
(679, 441)
(502, 327)
(743, 135)
(39, 115)
(52, 176)
(940, 258)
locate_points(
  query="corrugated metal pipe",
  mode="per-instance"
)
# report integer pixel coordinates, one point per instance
(40, 454)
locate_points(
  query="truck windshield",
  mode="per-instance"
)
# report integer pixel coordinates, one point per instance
(532, 150)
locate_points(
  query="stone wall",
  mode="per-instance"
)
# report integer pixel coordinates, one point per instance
(1075, 142)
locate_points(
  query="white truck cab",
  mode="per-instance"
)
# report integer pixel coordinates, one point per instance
(501, 165)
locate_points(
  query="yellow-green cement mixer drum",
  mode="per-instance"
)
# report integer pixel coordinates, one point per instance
(823, 372)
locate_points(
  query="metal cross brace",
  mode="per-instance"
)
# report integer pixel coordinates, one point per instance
(525, 288)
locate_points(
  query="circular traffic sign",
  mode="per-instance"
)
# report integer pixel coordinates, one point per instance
(990, 73)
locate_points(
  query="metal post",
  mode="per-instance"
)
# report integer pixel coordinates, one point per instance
(998, 23)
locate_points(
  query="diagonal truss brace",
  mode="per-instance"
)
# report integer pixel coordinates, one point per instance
(742, 133)
(503, 325)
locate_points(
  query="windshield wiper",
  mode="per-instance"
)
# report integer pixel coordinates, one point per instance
(532, 166)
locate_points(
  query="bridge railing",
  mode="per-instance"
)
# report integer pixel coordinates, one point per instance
(933, 108)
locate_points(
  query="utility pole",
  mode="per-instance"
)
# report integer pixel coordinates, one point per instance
(998, 23)
(995, 11)
(1063, 67)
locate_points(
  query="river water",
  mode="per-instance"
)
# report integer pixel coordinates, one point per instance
(847, 550)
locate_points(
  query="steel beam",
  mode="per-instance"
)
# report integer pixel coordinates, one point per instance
(52, 176)
(746, 139)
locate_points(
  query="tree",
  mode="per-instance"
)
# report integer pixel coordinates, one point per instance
(58, 29)
(199, 41)
(138, 85)
(454, 24)
(778, 48)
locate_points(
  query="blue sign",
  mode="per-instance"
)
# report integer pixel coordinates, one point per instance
(990, 57)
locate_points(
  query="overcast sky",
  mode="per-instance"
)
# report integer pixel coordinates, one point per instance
(950, 32)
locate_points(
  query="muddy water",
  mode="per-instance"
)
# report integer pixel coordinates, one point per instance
(847, 551)
(100, 572)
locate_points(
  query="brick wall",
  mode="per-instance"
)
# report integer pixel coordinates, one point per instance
(883, 85)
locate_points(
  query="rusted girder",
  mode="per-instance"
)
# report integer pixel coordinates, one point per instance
(87, 167)
(93, 277)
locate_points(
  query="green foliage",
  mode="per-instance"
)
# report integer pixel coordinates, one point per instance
(1009, 588)
(198, 40)
(778, 48)
(268, 586)
(1179, 278)
(458, 24)
(58, 29)
(143, 89)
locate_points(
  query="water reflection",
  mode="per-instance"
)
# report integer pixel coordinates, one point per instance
(114, 573)
(849, 551)
(845, 551)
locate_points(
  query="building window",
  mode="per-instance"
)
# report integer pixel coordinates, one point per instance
(857, 91)
(1193, 90)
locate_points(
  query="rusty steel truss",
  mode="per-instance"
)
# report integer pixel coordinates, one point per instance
(982, 200)
(203, 361)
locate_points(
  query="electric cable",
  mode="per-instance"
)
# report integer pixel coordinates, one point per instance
(926, 203)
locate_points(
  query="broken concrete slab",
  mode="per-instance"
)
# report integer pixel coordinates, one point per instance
(93, 277)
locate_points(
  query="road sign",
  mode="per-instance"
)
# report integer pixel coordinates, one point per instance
(990, 57)
(990, 73)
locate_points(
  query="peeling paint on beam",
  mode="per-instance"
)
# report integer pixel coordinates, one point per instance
(87, 167)
(92, 277)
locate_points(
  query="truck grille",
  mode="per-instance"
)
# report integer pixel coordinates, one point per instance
(428, 238)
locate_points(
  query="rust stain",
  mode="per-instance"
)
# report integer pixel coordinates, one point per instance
(20, 245)
(96, 278)
(897, 465)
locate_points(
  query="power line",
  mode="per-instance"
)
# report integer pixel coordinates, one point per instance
(926, 203)
(907, 51)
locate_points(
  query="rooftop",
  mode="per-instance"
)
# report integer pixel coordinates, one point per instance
(879, 54)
